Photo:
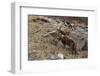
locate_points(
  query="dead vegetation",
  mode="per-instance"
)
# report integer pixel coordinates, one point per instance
(57, 37)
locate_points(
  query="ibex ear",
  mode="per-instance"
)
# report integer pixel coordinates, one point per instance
(72, 24)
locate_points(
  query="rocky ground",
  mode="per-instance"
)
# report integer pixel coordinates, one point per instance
(57, 37)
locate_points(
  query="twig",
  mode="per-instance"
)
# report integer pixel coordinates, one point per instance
(36, 31)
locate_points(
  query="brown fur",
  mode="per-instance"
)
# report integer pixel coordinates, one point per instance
(68, 41)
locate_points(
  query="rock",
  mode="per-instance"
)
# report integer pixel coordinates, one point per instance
(53, 57)
(60, 55)
(75, 39)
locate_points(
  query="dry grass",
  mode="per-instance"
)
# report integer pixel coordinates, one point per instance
(40, 48)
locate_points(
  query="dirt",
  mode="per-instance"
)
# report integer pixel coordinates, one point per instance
(48, 48)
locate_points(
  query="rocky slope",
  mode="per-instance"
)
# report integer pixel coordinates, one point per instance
(57, 37)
